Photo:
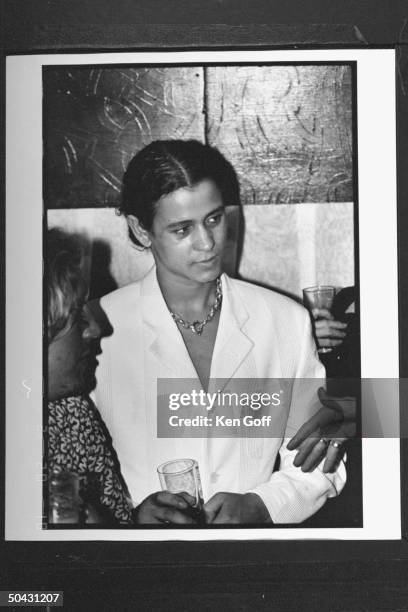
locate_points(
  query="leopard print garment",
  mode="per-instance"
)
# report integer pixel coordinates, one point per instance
(78, 441)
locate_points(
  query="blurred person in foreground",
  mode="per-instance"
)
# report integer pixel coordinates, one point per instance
(76, 438)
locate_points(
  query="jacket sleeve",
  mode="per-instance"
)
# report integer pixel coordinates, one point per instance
(292, 496)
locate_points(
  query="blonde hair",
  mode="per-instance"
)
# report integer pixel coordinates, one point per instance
(66, 286)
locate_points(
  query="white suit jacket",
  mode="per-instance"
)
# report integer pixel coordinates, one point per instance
(261, 335)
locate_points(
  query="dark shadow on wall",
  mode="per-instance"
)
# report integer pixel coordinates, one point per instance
(101, 280)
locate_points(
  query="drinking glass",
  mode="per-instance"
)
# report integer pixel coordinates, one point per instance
(320, 296)
(64, 499)
(181, 475)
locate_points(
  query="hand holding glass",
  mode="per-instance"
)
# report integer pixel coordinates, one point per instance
(182, 475)
(319, 297)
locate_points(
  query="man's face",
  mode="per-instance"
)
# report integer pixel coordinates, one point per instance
(72, 357)
(188, 234)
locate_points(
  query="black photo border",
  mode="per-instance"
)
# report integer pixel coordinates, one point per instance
(222, 566)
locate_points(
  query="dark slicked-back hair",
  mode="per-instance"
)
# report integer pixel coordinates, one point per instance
(164, 166)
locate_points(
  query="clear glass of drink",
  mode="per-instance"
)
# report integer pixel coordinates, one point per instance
(181, 475)
(65, 506)
(321, 297)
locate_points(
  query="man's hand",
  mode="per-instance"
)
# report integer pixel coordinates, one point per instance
(325, 433)
(235, 508)
(329, 333)
(164, 507)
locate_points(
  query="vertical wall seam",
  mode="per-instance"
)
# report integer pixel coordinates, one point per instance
(205, 103)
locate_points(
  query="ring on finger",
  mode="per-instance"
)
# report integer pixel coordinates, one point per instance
(335, 444)
(324, 441)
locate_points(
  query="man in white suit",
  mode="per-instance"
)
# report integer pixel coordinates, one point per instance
(187, 320)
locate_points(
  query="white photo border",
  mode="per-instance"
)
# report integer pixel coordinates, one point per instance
(24, 273)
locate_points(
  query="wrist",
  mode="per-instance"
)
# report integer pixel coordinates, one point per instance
(261, 511)
(135, 514)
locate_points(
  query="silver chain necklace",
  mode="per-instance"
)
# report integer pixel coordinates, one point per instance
(197, 326)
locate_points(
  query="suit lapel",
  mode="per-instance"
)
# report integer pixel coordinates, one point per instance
(232, 345)
(165, 343)
(162, 337)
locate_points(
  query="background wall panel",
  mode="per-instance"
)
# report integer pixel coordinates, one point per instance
(97, 118)
(290, 247)
(286, 129)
